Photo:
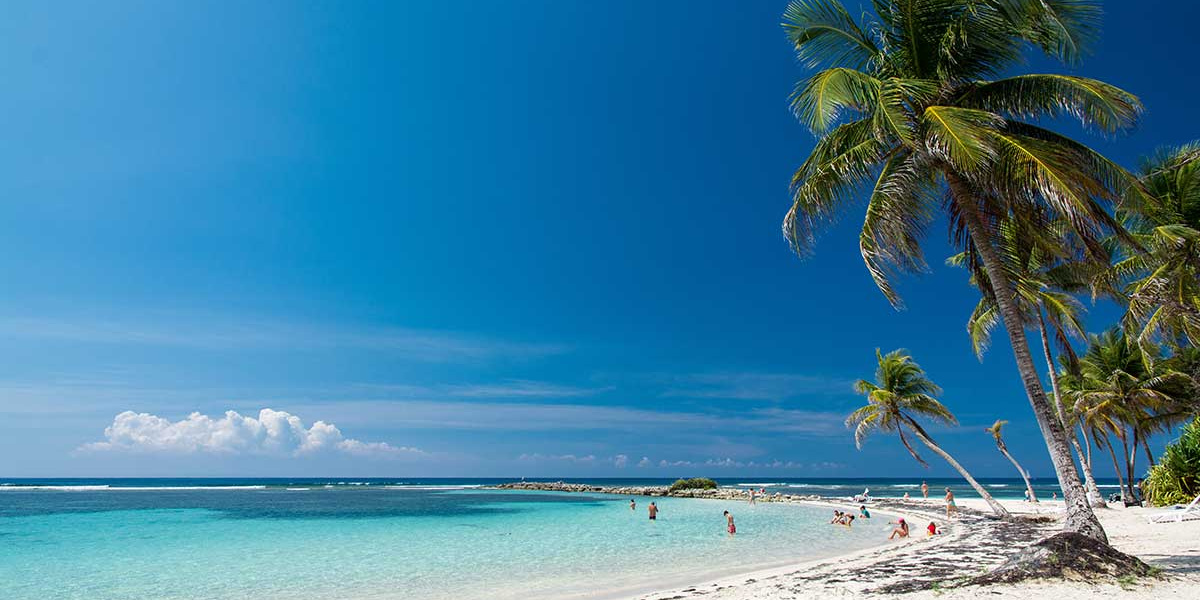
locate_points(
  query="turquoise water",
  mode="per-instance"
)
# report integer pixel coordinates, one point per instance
(387, 542)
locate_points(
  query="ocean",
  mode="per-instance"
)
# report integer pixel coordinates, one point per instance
(199, 539)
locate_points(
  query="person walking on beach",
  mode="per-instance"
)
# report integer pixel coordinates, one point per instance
(730, 527)
(653, 510)
(950, 505)
(925, 490)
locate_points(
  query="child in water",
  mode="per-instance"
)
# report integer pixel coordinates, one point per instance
(730, 526)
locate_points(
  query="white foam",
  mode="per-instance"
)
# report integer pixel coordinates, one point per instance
(130, 489)
(57, 488)
(432, 487)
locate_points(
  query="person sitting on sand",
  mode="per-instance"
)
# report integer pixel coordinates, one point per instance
(925, 490)
(932, 528)
(863, 512)
(653, 510)
(950, 505)
(900, 530)
(906, 495)
(730, 527)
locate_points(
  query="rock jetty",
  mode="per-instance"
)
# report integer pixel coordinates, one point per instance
(653, 490)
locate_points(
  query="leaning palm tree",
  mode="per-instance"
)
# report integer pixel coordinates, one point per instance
(995, 431)
(901, 392)
(906, 103)
(1041, 269)
(1163, 283)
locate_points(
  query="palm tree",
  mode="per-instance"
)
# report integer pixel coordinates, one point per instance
(906, 103)
(1035, 262)
(1117, 387)
(900, 394)
(995, 431)
(1163, 215)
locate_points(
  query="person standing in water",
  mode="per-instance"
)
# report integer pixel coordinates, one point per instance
(632, 504)
(950, 505)
(925, 490)
(653, 510)
(752, 494)
(730, 527)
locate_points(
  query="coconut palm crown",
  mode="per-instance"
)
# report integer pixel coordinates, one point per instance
(1163, 283)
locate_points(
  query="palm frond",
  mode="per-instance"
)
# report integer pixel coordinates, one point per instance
(839, 165)
(898, 213)
(961, 136)
(824, 33)
(832, 94)
(1092, 102)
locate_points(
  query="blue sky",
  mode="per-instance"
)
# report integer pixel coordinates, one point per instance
(529, 238)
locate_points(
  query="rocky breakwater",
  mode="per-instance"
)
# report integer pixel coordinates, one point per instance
(713, 494)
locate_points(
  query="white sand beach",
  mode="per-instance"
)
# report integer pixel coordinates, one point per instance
(973, 544)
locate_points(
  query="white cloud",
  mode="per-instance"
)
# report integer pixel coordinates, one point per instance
(645, 462)
(620, 460)
(273, 432)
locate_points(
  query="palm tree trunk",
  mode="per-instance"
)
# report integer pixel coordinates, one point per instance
(1024, 474)
(1093, 490)
(1129, 464)
(996, 506)
(1116, 467)
(1079, 517)
(1087, 443)
(1149, 455)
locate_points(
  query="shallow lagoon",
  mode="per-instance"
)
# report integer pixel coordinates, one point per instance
(388, 543)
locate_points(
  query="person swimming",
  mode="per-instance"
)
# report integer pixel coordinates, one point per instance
(730, 527)
(900, 530)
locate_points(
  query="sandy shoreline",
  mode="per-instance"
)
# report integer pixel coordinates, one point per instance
(971, 545)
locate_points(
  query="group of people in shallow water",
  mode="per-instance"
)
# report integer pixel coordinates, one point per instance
(839, 518)
(652, 511)
(847, 519)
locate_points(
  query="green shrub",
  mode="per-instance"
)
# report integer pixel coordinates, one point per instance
(695, 483)
(1176, 477)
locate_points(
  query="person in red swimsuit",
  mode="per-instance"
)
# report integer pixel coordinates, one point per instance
(729, 519)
